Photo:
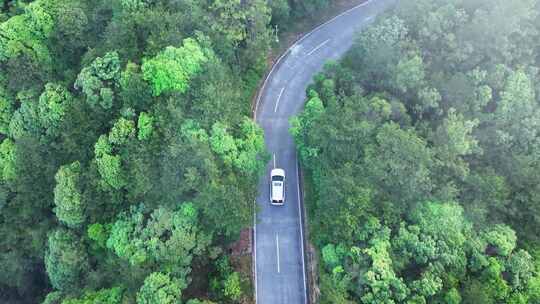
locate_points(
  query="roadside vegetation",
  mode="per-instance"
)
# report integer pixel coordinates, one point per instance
(128, 161)
(422, 150)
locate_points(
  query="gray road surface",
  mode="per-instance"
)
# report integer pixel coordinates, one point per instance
(278, 249)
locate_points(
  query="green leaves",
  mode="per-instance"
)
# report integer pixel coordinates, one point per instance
(521, 269)
(160, 288)
(232, 288)
(145, 125)
(246, 153)
(103, 296)
(26, 34)
(109, 163)
(172, 69)
(109, 166)
(252, 155)
(123, 238)
(333, 255)
(441, 231)
(121, 132)
(301, 124)
(517, 97)
(70, 208)
(454, 136)
(423, 110)
(168, 239)
(95, 98)
(228, 284)
(381, 282)
(410, 73)
(501, 240)
(8, 160)
(98, 80)
(378, 50)
(135, 5)
(223, 144)
(41, 117)
(7, 108)
(66, 260)
(99, 233)
(399, 163)
(53, 105)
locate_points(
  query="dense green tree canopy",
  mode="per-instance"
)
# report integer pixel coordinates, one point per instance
(68, 197)
(419, 148)
(53, 105)
(26, 34)
(98, 80)
(160, 288)
(105, 105)
(66, 260)
(168, 238)
(172, 69)
(105, 296)
(421, 157)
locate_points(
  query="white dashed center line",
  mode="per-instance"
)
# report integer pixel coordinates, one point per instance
(278, 99)
(277, 253)
(318, 47)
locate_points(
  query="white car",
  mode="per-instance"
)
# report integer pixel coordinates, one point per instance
(277, 187)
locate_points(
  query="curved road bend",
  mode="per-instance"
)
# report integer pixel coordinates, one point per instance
(278, 250)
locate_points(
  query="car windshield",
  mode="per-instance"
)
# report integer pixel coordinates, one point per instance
(277, 178)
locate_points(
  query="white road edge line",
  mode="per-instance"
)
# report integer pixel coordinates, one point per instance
(318, 47)
(278, 99)
(255, 245)
(301, 233)
(274, 157)
(277, 253)
(292, 46)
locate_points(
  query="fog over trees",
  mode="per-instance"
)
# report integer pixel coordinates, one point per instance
(421, 149)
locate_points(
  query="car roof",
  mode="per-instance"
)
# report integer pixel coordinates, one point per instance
(277, 172)
(277, 190)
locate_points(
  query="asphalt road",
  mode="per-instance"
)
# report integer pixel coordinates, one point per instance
(278, 249)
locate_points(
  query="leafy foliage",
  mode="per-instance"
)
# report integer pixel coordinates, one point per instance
(420, 149)
(232, 287)
(168, 238)
(53, 106)
(172, 69)
(66, 260)
(98, 80)
(160, 288)
(105, 296)
(8, 158)
(107, 104)
(26, 34)
(145, 126)
(68, 197)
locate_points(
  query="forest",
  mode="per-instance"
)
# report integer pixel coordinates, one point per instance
(421, 151)
(128, 158)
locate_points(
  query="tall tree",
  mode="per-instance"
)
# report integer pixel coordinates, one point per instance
(66, 260)
(172, 69)
(160, 288)
(168, 239)
(68, 195)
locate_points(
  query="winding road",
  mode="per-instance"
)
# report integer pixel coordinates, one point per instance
(278, 255)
